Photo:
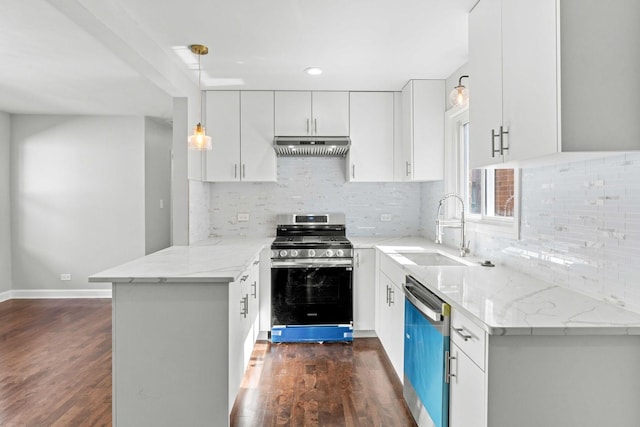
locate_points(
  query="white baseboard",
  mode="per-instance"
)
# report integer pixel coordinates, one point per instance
(56, 293)
(4, 296)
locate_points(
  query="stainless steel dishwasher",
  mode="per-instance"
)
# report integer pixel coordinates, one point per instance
(426, 349)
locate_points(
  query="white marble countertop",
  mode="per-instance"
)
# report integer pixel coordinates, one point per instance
(216, 260)
(505, 302)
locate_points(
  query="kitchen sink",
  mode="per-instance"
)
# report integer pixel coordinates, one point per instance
(432, 259)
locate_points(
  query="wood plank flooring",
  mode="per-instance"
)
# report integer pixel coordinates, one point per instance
(55, 362)
(331, 384)
(55, 370)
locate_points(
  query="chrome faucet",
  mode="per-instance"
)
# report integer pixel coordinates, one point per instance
(441, 224)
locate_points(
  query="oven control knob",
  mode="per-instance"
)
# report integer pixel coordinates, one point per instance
(312, 253)
(294, 253)
(339, 252)
(283, 253)
(329, 253)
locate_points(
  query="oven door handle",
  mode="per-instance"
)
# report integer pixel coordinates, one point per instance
(312, 263)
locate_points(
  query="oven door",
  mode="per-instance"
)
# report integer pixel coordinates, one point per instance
(313, 292)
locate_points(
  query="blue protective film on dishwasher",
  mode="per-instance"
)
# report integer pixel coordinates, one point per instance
(424, 363)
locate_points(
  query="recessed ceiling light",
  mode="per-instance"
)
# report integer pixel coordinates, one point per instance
(313, 71)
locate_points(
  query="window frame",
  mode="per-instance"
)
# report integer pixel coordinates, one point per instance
(455, 181)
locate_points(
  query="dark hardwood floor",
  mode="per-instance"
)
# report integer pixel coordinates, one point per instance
(55, 363)
(55, 370)
(331, 384)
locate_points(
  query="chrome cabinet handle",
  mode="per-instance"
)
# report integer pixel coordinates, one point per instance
(244, 175)
(408, 168)
(315, 126)
(500, 135)
(353, 171)
(494, 135)
(391, 296)
(244, 304)
(503, 132)
(235, 170)
(460, 331)
(387, 294)
(448, 371)
(358, 260)
(254, 289)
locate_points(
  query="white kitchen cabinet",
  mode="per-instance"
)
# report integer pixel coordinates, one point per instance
(467, 391)
(423, 110)
(512, 58)
(241, 127)
(257, 157)
(364, 290)
(222, 123)
(390, 312)
(371, 155)
(311, 113)
(467, 400)
(550, 74)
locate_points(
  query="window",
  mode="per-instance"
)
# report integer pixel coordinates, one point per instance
(490, 194)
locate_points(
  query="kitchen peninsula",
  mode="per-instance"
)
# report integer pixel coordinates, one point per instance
(184, 322)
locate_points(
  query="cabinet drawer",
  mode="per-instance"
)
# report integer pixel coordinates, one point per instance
(392, 269)
(469, 337)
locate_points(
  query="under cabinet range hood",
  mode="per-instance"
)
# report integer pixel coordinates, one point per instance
(320, 146)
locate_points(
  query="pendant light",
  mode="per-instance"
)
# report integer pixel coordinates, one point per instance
(459, 95)
(199, 140)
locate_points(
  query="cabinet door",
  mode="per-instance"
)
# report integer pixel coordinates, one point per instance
(529, 78)
(390, 325)
(236, 339)
(428, 130)
(485, 69)
(423, 130)
(467, 401)
(330, 112)
(223, 125)
(258, 158)
(364, 290)
(371, 152)
(292, 113)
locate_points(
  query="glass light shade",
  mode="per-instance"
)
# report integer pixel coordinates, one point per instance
(199, 140)
(459, 96)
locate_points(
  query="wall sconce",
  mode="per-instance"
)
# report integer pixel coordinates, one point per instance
(199, 140)
(459, 95)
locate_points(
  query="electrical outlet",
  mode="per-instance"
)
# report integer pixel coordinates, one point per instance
(385, 217)
(243, 217)
(65, 276)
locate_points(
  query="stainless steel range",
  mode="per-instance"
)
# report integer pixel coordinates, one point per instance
(311, 279)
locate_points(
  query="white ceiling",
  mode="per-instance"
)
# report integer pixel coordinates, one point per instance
(117, 57)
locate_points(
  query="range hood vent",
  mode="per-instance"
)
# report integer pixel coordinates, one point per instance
(319, 146)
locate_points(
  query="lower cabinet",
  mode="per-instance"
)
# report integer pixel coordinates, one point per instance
(243, 325)
(364, 289)
(466, 398)
(390, 312)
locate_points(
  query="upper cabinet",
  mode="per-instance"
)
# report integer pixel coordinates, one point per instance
(547, 77)
(311, 113)
(423, 107)
(241, 127)
(370, 157)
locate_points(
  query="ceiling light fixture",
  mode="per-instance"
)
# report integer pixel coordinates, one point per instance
(459, 95)
(313, 71)
(199, 140)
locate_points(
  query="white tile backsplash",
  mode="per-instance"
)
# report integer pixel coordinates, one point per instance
(580, 228)
(309, 184)
(580, 223)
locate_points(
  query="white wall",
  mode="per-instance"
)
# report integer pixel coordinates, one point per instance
(5, 218)
(157, 170)
(77, 197)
